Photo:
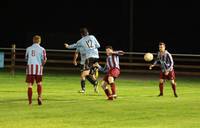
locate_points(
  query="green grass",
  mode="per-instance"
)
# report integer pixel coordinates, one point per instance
(136, 107)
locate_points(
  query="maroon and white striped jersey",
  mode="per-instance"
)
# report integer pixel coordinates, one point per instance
(112, 61)
(166, 61)
(36, 57)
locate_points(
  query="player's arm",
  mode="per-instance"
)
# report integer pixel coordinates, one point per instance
(26, 55)
(72, 46)
(153, 65)
(101, 69)
(97, 45)
(44, 57)
(120, 52)
(75, 58)
(104, 69)
(155, 62)
(171, 62)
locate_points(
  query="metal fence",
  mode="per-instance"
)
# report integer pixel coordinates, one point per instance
(131, 62)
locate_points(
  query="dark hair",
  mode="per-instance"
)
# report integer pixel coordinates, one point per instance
(162, 43)
(84, 31)
(109, 46)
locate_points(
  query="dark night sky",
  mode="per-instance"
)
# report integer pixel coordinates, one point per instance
(177, 23)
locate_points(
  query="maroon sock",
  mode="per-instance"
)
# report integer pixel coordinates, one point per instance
(39, 90)
(161, 88)
(174, 88)
(107, 92)
(30, 95)
(113, 88)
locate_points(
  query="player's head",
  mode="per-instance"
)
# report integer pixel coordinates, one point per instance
(162, 46)
(84, 32)
(109, 50)
(37, 39)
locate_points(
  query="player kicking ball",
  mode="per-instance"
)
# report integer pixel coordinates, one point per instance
(167, 70)
(87, 45)
(82, 68)
(112, 69)
(36, 58)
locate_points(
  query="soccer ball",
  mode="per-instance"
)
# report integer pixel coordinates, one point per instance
(148, 57)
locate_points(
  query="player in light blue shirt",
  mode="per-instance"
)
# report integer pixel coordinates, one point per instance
(87, 46)
(82, 55)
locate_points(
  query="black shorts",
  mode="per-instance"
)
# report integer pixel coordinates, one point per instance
(89, 62)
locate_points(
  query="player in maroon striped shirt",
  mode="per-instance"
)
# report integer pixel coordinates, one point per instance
(36, 58)
(112, 69)
(167, 72)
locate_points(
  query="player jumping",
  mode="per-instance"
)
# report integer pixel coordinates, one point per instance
(36, 58)
(167, 70)
(113, 71)
(87, 45)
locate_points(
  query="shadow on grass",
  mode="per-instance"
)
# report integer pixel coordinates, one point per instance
(12, 101)
(7, 91)
(7, 101)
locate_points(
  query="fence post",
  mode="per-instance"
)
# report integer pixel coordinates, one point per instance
(13, 55)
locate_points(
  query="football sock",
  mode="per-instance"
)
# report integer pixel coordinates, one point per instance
(83, 85)
(113, 88)
(39, 90)
(30, 95)
(161, 88)
(92, 80)
(107, 92)
(174, 88)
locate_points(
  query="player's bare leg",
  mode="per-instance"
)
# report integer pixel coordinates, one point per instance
(173, 83)
(30, 93)
(106, 90)
(113, 86)
(39, 91)
(161, 86)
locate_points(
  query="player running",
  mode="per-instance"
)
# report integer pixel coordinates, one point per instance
(87, 45)
(36, 58)
(167, 71)
(112, 69)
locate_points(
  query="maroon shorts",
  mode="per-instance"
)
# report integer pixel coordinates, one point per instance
(115, 72)
(32, 78)
(170, 76)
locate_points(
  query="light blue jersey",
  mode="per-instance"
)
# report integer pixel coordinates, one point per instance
(89, 45)
(82, 54)
(36, 57)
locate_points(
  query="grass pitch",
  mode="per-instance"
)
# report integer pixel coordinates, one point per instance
(136, 107)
